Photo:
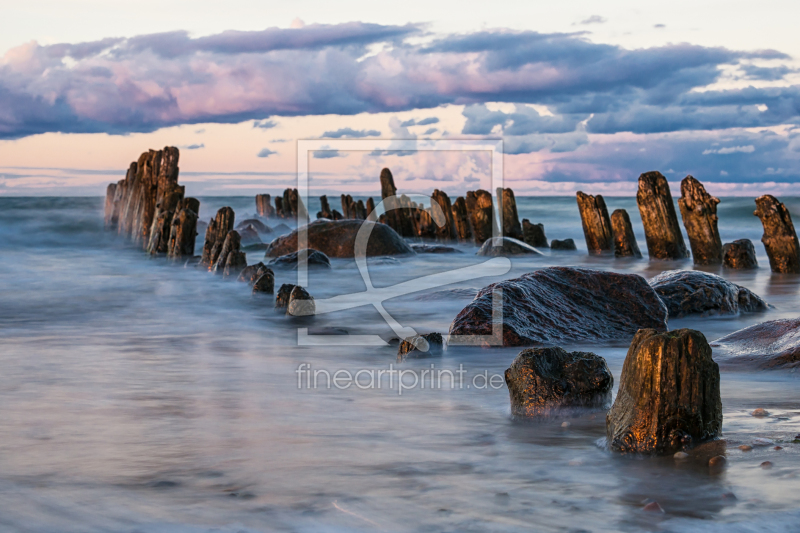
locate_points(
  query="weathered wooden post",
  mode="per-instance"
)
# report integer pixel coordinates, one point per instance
(596, 224)
(461, 220)
(479, 208)
(508, 213)
(447, 231)
(780, 239)
(184, 229)
(699, 213)
(370, 208)
(394, 218)
(624, 240)
(217, 231)
(533, 234)
(263, 205)
(661, 229)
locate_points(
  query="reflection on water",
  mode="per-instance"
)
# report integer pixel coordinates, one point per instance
(142, 397)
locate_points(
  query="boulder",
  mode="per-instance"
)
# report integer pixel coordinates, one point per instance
(566, 244)
(249, 235)
(739, 254)
(533, 234)
(251, 273)
(314, 259)
(235, 262)
(420, 347)
(259, 226)
(669, 396)
(546, 382)
(301, 303)
(687, 292)
(506, 246)
(561, 304)
(770, 345)
(281, 229)
(434, 249)
(336, 238)
(265, 282)
(282, 298)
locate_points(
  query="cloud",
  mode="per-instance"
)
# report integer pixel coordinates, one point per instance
(266, 152)
(754, 72)
(147, 82)
(594, 19)
(732, 150)
(429, 131)
(659, 26)
(326, 152)
(351, 133)
(194, 146)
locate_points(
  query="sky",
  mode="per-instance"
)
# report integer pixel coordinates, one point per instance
(584, 95)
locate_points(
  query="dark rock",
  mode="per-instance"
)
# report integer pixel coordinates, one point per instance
(420, 346)
(625, 244)
(337, 239)
(314, 259)
(466, 293)
(661, 229)
(565, 244)
(434, 249)
(508, 213)
(769, 345)
(545, 382)
(183, 233)
(669, 397)
(780, 239)
(699, 213)
(282, 299)
(258, 226)
(382, 261)
(533, 234)
(265, 283)
(281, 229)
(251, 273)
(596, 224)
(561, 304)
(461, 220)
(301, 303)
(249, 235)
(739, 254)
(506, 246)
(256, 247)
(687, 292)
(236, 262)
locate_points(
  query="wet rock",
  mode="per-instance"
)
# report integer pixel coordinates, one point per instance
(565, 244)
(508, 213)
(313, 258)
(760, 413)
(420, 346)
(251, 273)
(461, 220)
(480, 215)
(769, 345)
(249, 235)
(216, 233)
(739, 254)
(661, 229)
(301, 303)
(625, 244)
(680, 456)
(445, 232)
(434, 249)
(230, 245)
(746, 448)
(258, 226)
(699, 213)
(533, 234)
(506, 246)
(687, 292)
(263, 206)
(265, 282)
(337, 239)
(718, 462)
(761, 441)
(236, 262)
(780, 239)
(281, 229)
(596, 224)
(766, 465)
(669, 396)
(548, 382)
(561, 304)
(282, 298)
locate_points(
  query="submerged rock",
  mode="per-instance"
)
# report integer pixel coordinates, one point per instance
(669, 397)
(687, 292)
(434, 249)
(259, 226)
(533, 234)
(265, 282)
(301, 303)
(562, 304)
(505, 246)
(420, 346)
(284, 293)
(251, 273)
(249, 235)
(314, 258)
(770, 345)
(336, 238)
(565, 244)
(739, 254)
(545, 382)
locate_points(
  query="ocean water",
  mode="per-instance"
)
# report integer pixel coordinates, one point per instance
(139, 396)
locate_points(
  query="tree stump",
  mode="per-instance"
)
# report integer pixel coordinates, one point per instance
(661, 229)
(669, 397)
(508, 213)
(596, 224)
(481, 213)
(533, 234)
(624, 240)
(461, 220)
(699, 213)
(780, 239)
(739, 254)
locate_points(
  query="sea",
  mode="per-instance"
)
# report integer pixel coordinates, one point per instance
(139, 395)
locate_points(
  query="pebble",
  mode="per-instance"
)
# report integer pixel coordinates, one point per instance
(745, 447)
(760, 413)
(717, 461)
(778, 448)
(766, 465)
(565, 424)
(653, 507)
(760, 441)
(680, 456)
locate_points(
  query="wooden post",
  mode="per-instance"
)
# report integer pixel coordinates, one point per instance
(447, 230)
(699, 213)
(217, 231)
(263, 206)
(481, 214)
(596, 224)
(461, 220)
(780, 239)
(508, 213)
(624, 240)
(184, 230)
(661, 229)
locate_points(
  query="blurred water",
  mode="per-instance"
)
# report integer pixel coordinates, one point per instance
(136, 396)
